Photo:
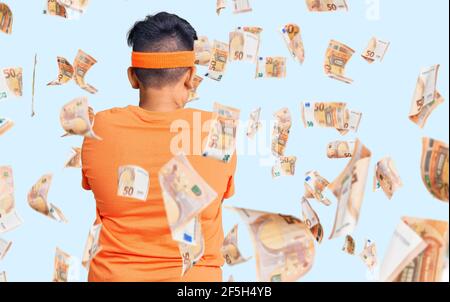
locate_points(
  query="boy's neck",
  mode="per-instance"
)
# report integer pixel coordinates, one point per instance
(160, 100)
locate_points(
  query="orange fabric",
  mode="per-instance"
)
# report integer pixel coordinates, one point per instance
(160, 60)
(136, 240)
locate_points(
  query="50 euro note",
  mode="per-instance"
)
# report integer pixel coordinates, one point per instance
(375, 50)
(82, 64)
(92, 247)
(192, 252)
(434, 168)
(202, 50)
(186, 194)
(349, 245)
(387, 177)
(315, 185)
(292, 36)
(5, 125)
(254, 123)
(284, 246)
(340, 149)
(74, 160)
(55, 8)
(271, 67)
(133, 182)
(3, 277)
(65, 267)
(326, 5)
(330, 115)
(220, 5)
(5, 246)
(284, 166)
(369, 255)
(6, 18)
(312, 220)
(9, 219)
(336, 58)
(349, 188)
(426, 98)
(218, 61)
(281, 131)
(417, 251)
(77, 5)
(11, 83)
(230, 249)
(241, 6)
(244, 46)
(37, 199)
(75, 118)
(221, 141)
(193, 96)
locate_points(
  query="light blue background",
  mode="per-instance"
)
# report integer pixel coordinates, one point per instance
(418, 31)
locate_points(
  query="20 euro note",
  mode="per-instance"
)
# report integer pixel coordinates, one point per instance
(336, 58)
(349, 188)
(426, 97)
(75, 118)
(387, 177)
(37, 199)
(417, 251)
(133, 182)
(434, 168)
(221, 141)
(11, 83)
(6, 19)
(326, 5)
(292, 36)
(9, 219)
(218, 61)
(330, 115)
(284, 246)
(230, 249)
(92, 247)
(185, 193)
(82, 64)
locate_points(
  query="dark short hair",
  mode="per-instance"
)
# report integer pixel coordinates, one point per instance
(162, 32)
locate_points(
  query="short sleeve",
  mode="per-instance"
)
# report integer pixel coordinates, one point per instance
(230, 186)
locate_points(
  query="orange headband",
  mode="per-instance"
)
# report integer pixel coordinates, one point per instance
(162, 60)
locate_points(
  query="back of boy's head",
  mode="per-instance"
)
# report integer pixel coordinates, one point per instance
(162, 32)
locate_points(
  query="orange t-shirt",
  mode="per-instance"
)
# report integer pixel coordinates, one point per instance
(136, 240)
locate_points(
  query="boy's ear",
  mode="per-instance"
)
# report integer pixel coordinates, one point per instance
(190, 76)
(133, 78)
